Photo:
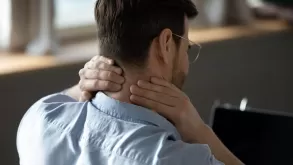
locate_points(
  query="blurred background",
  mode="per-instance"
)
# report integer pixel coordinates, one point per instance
(247, 53)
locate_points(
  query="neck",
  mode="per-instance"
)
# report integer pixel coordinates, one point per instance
(124, 94)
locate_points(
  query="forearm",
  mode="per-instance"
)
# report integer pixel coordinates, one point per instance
(207, 136)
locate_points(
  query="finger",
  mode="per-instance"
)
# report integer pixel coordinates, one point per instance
(85, 96)
(162, 109)
(156, 88)
(86, 65)
(81, 72)
(104, 66)
(111, 68)
(162, 82)
(93, 85)
(151, 95)
(103, 75)
(103, 59)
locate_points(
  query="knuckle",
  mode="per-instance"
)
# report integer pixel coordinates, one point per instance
(94, 58)
(86, 65)
(102, 65)
(95, 65)
(81, 72)
(89, 65)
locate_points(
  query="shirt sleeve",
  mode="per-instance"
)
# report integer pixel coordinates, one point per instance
(179, 152)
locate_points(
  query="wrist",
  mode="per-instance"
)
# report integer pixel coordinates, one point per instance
(201, 133)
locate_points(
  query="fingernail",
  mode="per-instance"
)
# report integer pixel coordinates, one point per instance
(119, 71)
(132, 98)
(138, 82)
(81, 72)
(132, 86)
(142, 82)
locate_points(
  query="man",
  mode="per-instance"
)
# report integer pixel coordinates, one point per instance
(148, 40)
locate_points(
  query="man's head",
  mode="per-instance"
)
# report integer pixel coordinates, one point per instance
(141, 35)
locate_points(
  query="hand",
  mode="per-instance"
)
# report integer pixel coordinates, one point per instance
(173, 104)
(170, 102)
(99, 74)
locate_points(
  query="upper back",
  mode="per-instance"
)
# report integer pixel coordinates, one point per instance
(67, 132)
(60, 131)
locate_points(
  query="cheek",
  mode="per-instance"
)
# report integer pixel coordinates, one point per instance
(186, 64)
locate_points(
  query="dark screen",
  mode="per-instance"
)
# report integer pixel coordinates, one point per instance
(256, 138)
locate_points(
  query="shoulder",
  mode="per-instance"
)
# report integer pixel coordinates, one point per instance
(57, 108)
(51, 102)
(159, 148)
(48, 126)
(54, 106)
(47, 118)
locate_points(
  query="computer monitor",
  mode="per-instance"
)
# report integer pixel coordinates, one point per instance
(255, 136)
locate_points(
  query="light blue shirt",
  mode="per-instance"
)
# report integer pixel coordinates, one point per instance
(57, 130)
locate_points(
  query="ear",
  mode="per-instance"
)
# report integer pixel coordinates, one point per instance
(165, 45)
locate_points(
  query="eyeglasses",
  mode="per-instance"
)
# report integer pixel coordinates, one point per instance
(193, 49)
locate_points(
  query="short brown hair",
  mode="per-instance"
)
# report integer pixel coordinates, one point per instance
(126, 28)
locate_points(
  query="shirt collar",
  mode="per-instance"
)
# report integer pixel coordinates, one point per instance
(124, 110)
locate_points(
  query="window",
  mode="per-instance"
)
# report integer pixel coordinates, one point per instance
(4, 23)
(255, 3)
(74, 18)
